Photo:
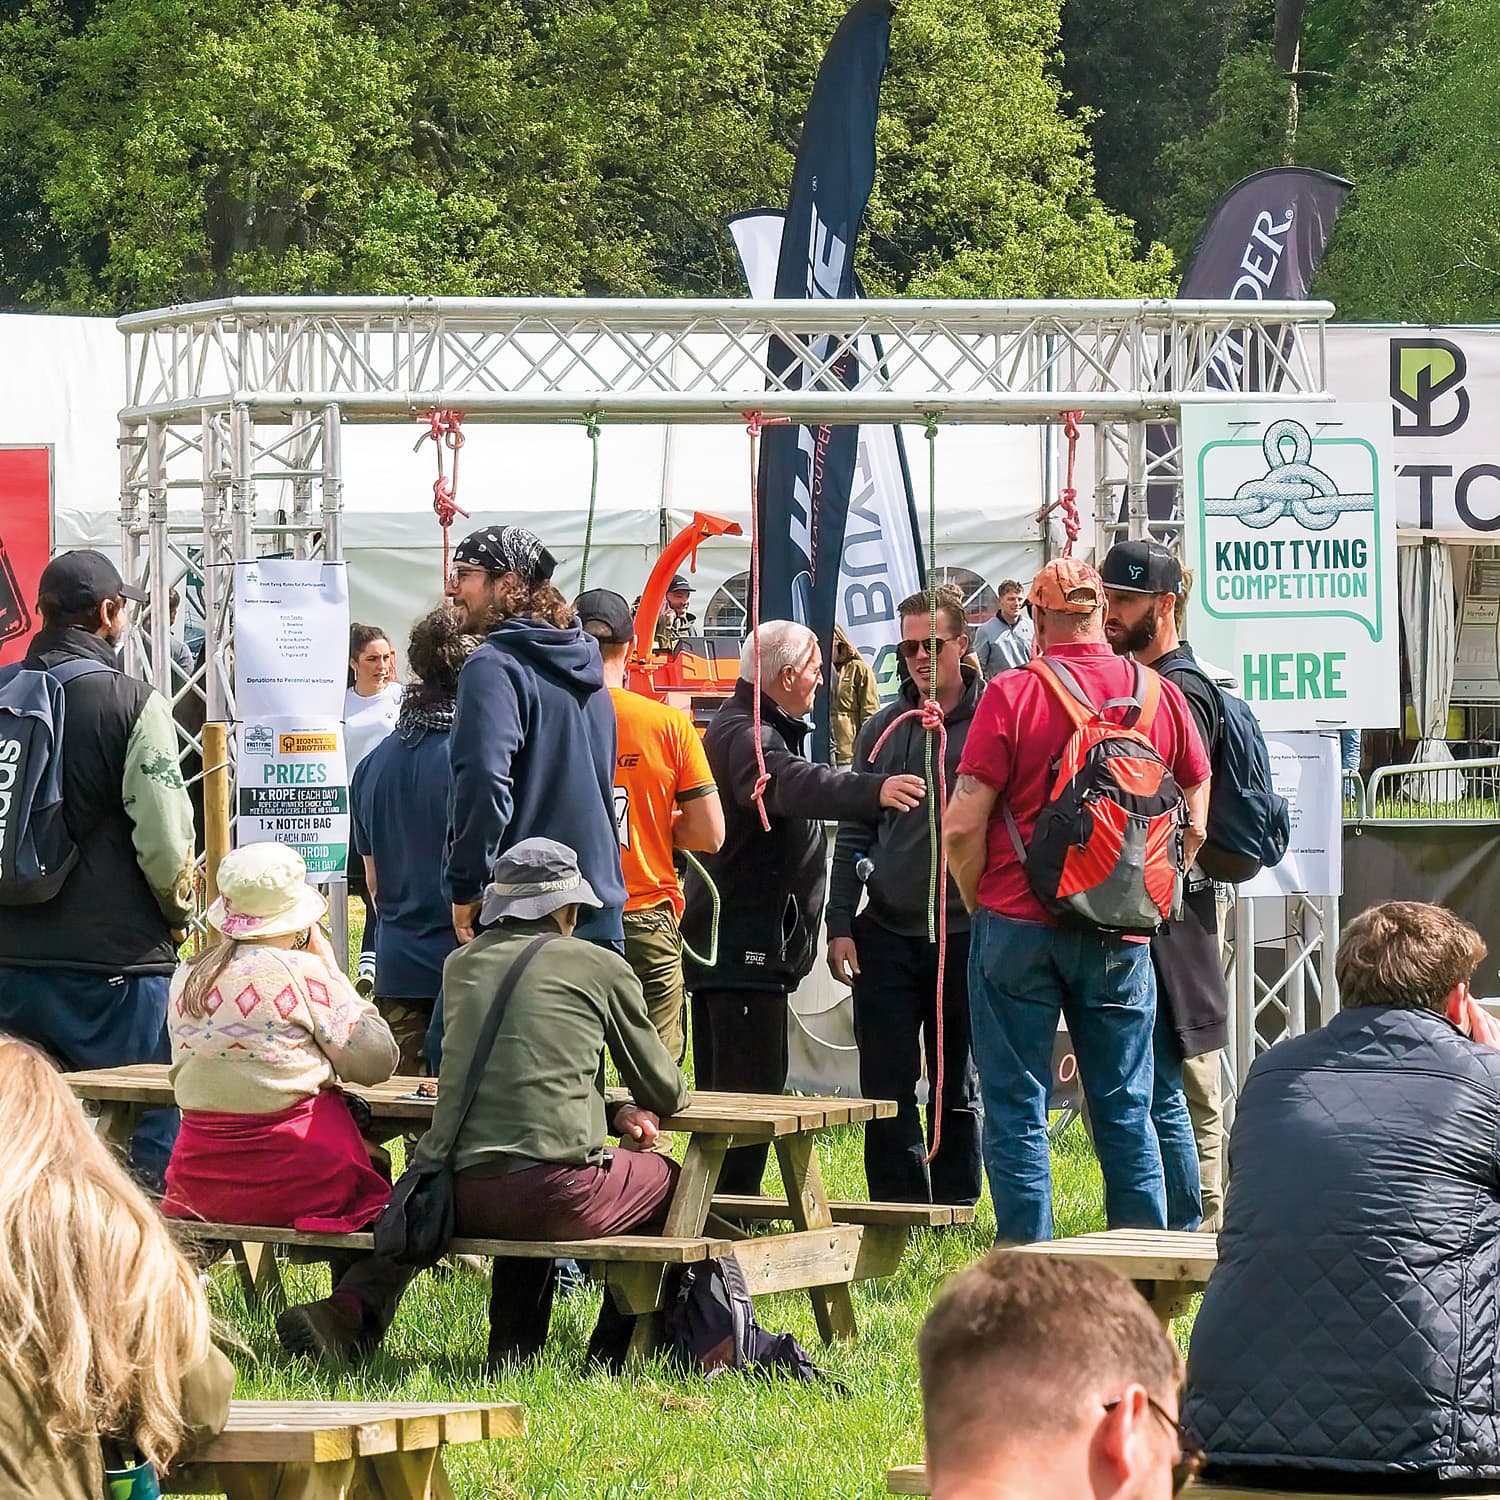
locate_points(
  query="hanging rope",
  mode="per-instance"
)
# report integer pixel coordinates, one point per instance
(1067, 500)
(753, 425)
(930, 715)
(711, 958)
(446, 429)
(588, 531)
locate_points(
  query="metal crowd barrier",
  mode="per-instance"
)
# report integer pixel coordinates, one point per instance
(1451, 791)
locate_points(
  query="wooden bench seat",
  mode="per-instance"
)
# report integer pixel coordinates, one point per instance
(337, 1450)
(912, 1215)
(911, 1479)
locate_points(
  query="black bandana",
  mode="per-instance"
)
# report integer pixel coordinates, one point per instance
(506, 549)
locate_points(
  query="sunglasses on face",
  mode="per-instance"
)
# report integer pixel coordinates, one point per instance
(908, 649)
(1190, 1459)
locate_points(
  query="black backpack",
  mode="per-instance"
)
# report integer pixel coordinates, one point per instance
(711, 1326)
(1249, 822)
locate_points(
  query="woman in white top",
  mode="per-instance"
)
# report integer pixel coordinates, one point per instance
(370, 709)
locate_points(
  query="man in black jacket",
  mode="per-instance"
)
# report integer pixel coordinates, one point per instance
(884, 951)
(1350, 1334)
(85, 975)
(771, 881)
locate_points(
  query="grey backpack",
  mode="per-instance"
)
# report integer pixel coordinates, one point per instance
(37, 852)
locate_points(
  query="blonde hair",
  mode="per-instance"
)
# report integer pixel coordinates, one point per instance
(100, 1316)
(203, 973)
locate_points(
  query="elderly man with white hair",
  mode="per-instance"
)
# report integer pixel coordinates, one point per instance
(771, 881)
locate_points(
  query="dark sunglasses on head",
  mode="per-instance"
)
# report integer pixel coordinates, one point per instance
(909, 649)
(1189, 1462)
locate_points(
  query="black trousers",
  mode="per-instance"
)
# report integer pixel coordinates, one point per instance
(739, 1045)
(894, 998)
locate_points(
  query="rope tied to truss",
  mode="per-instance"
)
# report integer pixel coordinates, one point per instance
(1067, 499)
(935, 728)
(592, 431)
(753, 425)
(446, 430)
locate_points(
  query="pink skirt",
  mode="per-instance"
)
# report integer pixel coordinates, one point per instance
(305, 1167)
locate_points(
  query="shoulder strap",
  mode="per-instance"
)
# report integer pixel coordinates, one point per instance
(1141, 703)
(491, 1029)
(1077, 704)
(80, 666)
(1184, 667)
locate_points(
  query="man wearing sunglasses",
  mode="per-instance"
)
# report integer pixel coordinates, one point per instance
(884, 951)
(1049, 1379)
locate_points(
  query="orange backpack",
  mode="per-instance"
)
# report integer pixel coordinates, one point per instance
(1107, 850)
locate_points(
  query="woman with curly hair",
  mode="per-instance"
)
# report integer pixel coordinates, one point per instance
(399, 802)
(104, 1331)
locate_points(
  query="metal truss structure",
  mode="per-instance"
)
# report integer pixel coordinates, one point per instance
(229, 436)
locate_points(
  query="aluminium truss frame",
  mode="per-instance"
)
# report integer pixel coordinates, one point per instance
(229, 399)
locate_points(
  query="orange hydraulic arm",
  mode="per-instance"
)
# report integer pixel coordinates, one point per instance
(682, 546)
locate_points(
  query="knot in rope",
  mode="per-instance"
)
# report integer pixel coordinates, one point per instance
(1290, 486)
(1067, 499)
(446, 430)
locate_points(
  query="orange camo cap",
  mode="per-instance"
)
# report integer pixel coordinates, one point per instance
(1068, 586)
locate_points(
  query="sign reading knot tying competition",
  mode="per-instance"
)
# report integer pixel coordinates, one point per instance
(1291, 536)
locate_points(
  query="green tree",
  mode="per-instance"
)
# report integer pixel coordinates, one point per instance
(161, 150)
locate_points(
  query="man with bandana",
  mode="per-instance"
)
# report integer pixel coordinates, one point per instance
(532, 749)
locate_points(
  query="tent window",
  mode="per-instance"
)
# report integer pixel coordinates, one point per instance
(980, 600)
(728, 612)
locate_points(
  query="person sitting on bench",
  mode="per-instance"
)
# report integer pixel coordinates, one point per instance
(105, 1355)
(1349, 1336)
(529, 1159)
(264, 1027)
(1049, 1379)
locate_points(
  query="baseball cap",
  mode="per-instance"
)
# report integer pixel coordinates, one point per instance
(679, 585)
(607, 608)
(1142, 568)
(76, 581)
(1068, 586)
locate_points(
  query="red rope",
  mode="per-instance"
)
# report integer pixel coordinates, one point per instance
(445, 428)
(1067, 500)
(933, 722)
(753, 425)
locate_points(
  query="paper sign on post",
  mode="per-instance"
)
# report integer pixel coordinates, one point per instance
(1291, 533)
(291, 634)
(1305, 770)
(293, 789)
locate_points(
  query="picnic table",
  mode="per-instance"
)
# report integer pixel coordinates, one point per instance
(820, 1252)
(338, 1450)
(1166, 1265)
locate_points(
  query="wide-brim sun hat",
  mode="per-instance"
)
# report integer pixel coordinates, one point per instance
(263, 893)
(532, 880)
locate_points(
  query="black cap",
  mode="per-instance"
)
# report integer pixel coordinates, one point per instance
(679, 585)
(1142, 568)
(76, 581)
(607, 608)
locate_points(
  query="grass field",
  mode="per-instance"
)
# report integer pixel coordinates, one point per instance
(655, 1432)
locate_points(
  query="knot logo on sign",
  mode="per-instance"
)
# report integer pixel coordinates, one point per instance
(1290, 486)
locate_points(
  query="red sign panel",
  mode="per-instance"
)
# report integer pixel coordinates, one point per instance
(25, 542)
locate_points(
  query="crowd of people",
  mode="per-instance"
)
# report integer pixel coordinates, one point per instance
(518, 818)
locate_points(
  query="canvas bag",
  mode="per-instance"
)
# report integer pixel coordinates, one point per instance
(417, 1224)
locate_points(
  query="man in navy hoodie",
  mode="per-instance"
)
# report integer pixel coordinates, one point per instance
(532, 750)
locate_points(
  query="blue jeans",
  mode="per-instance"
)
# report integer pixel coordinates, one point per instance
(1022, 977)
(1174, 1130)
(84, 1019)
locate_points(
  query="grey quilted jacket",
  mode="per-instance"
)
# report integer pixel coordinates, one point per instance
(1352, 1322)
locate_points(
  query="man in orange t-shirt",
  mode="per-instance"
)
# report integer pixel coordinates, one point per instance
(665, 799)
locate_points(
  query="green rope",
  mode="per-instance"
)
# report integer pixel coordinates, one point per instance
(933, 836)
(713, 921)
(588, 532)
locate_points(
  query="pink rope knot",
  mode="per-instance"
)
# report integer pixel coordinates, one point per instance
(446, 429)
(1067, 500)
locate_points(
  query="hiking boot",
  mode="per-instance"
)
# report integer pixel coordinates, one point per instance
(331, 1332)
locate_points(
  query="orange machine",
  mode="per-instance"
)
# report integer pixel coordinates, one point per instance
(699, 672)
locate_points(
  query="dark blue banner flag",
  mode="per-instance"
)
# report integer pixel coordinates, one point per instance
(806, 472)
(1262, 243)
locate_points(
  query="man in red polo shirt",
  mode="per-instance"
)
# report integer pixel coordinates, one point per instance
(1024, 969)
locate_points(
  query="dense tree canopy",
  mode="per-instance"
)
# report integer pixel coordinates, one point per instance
(153, 151)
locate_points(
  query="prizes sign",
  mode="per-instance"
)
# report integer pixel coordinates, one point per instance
(1291, 535)
(292, 788)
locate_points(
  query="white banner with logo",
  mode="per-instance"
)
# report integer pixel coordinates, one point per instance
(1441, 391)
(1290, 531)
(293, 789)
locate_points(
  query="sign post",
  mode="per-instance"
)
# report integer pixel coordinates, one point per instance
(1291, 534)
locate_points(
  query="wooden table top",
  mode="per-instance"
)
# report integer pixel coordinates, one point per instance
(707, 1113)
(326, 1431)
(1141, 1254)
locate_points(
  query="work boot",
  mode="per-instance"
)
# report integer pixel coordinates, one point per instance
(331, 1331)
